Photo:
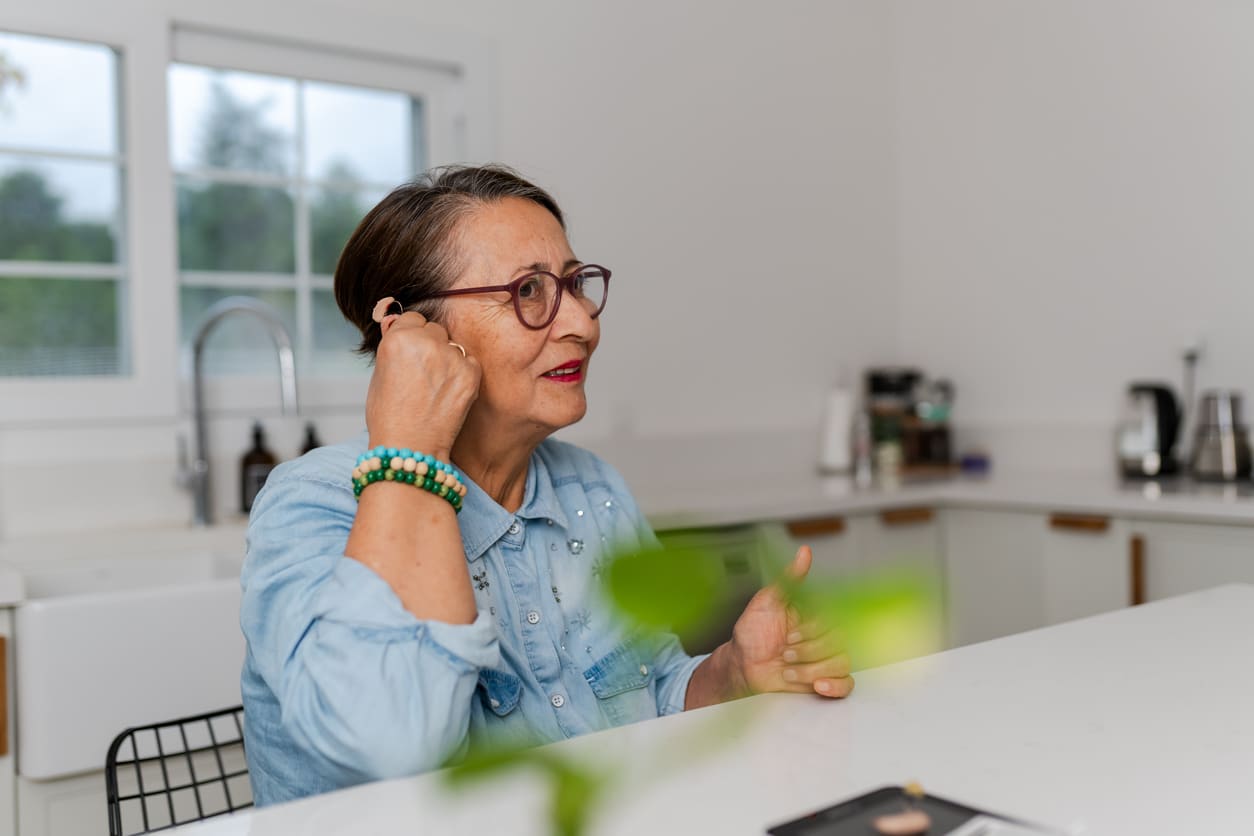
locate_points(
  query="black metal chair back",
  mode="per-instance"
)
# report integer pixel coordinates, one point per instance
(173, 773)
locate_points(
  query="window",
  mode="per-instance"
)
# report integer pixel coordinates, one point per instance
(63, 266)
(272, 174)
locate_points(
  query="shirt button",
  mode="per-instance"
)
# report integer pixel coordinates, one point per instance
(495, 703)
(533, 617)
(558, 700)
(644, 670)
(550, 522)
(513, 527)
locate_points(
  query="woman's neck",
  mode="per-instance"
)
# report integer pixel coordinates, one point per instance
(496, 461)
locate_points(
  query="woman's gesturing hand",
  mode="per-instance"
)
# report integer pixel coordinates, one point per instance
(774, 650)
(422, 387)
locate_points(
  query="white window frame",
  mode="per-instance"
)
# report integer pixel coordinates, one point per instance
(155, 388)
(437, 85)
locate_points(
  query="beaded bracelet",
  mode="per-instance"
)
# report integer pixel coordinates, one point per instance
(408, 466)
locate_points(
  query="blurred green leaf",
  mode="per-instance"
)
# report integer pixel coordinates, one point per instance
(883, 615)
(673, 588)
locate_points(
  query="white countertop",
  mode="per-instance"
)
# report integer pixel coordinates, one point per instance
(1136, 721)
(750, 478)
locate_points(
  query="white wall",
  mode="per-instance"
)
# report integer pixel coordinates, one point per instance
(731, 163)
(1076, 200)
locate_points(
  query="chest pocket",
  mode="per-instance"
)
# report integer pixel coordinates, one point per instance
(499, 691)
(624, 685)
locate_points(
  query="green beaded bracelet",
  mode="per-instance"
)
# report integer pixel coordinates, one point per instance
(389, 465)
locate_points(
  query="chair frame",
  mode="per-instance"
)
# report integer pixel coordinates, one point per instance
(166, 791)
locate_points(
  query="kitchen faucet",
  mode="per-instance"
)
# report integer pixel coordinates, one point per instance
(196, 477)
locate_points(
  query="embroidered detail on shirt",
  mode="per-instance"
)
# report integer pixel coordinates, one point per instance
(557, 596)
(598, 567)
(575, 546)
(581, 621)
(481, 580)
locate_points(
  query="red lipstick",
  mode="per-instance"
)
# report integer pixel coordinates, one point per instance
(571, 372)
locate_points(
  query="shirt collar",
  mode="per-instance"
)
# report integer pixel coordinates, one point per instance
(483, 521)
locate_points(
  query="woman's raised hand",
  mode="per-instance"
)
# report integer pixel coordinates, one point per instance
(774, 650)
(422, 387)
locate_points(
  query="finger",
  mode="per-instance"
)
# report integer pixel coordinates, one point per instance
(800, 566)
(834, 687)
(803, 630)
(437, 332)
(409, 319)
(832, 667)
(813, 650)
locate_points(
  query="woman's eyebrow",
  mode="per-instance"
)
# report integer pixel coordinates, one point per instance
(543, 265)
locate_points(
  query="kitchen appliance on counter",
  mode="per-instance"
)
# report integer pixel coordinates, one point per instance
(1221, 448)
(909, 422)
(1147, 435)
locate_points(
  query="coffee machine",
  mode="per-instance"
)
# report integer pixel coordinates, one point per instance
(1148, 432)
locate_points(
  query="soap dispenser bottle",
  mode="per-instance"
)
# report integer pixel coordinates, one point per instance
(311, 439)
(254, 467)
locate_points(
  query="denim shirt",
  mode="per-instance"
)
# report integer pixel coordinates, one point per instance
(342, 685)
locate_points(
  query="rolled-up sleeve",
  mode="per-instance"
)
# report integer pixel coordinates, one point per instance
(364, 688)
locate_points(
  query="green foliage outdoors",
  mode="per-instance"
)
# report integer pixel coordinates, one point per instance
(60, 326)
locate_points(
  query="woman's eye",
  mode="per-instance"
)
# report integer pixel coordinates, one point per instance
(529, 289)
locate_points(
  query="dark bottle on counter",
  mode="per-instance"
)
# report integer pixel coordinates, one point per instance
(254, 468)
(311, 439)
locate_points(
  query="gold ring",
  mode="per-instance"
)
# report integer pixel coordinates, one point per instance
(458, 346)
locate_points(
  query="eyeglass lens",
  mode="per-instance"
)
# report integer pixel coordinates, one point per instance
(537, 295)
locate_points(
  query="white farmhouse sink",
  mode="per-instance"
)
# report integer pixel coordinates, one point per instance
(103, 643)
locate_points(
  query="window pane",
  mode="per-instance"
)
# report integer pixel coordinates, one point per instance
(238, 344)
(354, 133)
(230, 226)
(333, 215)
(54, 327)
(335, 338)
(232, 120)
(58, 210)
(66, 99)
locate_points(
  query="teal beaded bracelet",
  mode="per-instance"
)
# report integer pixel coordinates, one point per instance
(389, 464)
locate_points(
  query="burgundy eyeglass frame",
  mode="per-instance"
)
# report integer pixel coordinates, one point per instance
(564, 284)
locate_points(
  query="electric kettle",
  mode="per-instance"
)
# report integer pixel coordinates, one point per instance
(1147, 434)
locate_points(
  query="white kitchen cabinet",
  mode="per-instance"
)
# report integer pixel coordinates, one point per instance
(830, 538)
(1009, 571)
(71, 806)
(1186, 557)
(846, 544)
(1085, 566)
(993, 573)
(899, 537)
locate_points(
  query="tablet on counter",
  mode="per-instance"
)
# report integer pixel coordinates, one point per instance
(858, 816)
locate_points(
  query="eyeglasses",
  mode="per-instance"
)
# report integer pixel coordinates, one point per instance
(538, 295)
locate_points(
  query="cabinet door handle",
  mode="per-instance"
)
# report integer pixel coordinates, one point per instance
(1136, 570)
(816, 527)
(1079, 522)
(906, 516)
(4, 697)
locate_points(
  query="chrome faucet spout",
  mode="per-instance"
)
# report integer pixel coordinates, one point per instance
(197, 475)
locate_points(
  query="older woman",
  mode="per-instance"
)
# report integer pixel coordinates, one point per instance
(434, 580)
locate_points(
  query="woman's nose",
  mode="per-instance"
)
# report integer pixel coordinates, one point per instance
(573, 317)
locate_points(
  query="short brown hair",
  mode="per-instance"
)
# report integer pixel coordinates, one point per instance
(405, 246)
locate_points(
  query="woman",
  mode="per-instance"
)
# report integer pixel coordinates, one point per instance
(387, 629)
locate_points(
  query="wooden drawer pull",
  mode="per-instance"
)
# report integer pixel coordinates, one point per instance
(907, 516)
(1079, 522)
(816, 527)
(4, 697)
(1136, 557)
